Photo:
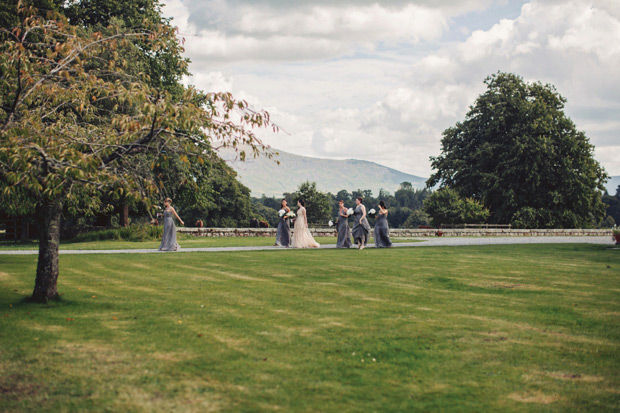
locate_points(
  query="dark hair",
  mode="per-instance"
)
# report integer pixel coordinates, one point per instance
(382, 204)
(282, 206)
(341, 201)
(361, 199)
(301, 201)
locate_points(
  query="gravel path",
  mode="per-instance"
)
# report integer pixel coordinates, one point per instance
(425, 242)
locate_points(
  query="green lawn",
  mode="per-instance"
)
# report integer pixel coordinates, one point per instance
(487, 328)
(186, 241)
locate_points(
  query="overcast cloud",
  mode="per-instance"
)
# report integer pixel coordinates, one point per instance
(380, 81)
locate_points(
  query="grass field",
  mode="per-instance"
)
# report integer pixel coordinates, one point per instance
(487, 328)
(186, 241)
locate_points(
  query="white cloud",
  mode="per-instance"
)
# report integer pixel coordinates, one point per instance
(348, 81)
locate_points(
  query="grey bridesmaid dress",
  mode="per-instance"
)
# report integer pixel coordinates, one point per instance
(169, 239)
(382, 232)
(344, 232)
(360, 229)
(283, 233)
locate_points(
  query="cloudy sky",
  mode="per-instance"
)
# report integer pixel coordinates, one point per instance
(381, 80)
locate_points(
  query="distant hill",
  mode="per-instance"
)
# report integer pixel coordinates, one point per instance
(265, 176)
(612, 184)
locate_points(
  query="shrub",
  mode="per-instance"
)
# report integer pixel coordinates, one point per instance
(137, 232)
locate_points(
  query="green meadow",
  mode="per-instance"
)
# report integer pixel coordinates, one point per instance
(485, 328)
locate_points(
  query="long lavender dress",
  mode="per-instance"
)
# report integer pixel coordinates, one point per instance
(361, 228)
(283, 233)
(169, 239)
(382, 232)
(344, 232)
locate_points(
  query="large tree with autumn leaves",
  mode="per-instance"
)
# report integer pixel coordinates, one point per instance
(76, 122)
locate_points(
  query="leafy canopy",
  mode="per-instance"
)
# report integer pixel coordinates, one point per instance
(520, 155)
(75, 120)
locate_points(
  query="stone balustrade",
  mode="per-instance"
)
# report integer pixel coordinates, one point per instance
(402, 233)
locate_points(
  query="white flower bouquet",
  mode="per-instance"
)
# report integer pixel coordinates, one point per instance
(291, 214)
(350, 211)
(330, 223)
(281, 213)
(372, 211)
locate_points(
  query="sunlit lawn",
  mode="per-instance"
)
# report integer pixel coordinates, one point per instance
(185, 241)
(487, 328)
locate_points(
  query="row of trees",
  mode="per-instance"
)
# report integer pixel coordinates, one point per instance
(404, 205)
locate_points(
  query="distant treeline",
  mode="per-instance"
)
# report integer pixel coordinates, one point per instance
(405, 205)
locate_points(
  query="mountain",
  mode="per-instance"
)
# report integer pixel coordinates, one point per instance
(612, 184)
(265, 176)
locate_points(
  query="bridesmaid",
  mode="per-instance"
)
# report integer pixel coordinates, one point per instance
(361, 228)
(382, 231)
(169, 239)
(344, 232)
(283, 234)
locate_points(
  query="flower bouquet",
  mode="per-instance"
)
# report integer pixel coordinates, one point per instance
(350, 211)
(372, 212)
(281, 213)
(291, 214)
(330, 223)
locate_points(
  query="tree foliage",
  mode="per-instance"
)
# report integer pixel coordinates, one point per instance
(521, 156)
(75, 121)
(317, 203)
(409, 202)
(612, 204)
(447, 207)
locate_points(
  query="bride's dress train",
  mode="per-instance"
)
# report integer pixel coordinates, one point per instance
(301, 234)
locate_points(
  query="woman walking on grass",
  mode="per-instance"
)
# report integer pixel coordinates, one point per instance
(344, 232)
(361, 228)
(301, 234)
(382, 231)
(169, 239)
(283, 233)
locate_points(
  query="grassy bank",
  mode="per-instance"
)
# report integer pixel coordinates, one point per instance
(471, 328)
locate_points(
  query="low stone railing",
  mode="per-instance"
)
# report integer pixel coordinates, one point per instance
(402, 233)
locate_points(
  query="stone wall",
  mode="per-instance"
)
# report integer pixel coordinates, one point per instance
(402, 233)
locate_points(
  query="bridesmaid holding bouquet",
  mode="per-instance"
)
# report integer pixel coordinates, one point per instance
(344, 233)
(283, 233)
(361, 228)
(382, 231)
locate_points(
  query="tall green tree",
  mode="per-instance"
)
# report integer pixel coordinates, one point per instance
(317, 202)
(517, 153)
(70, 129)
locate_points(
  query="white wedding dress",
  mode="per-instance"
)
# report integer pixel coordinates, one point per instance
(301, 234)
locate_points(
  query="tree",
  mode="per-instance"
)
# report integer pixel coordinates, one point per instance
(517, 150)
(71, 127)
(417, 218)
(612, 204)
(317, 203)
(447, 207)
(209, 191)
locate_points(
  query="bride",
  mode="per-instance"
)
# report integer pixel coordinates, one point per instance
(301, 234)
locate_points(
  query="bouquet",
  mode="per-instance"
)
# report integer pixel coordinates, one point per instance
(290, 214)
(330, 223)
(350, 211)
(281, 213)
(372, 211)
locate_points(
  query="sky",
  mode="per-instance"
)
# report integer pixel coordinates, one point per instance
(381, 80)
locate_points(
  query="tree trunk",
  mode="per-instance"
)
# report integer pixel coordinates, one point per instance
(124, 218)
(48, 222)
